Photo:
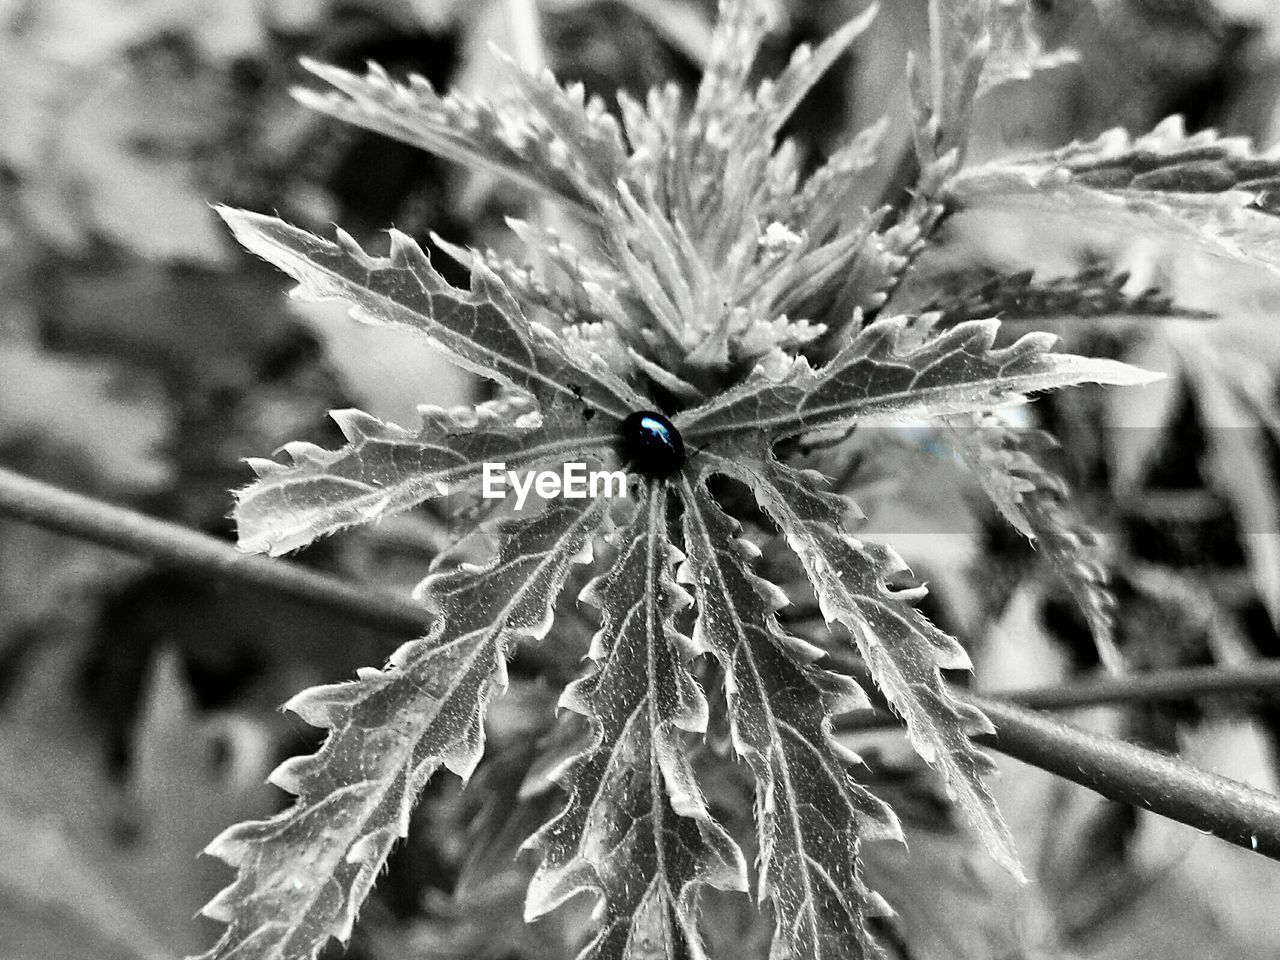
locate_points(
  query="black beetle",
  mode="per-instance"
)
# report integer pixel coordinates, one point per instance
(651, 445)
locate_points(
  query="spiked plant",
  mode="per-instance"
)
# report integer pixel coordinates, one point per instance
(747, 306)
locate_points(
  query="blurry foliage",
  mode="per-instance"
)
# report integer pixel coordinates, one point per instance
(140, 359)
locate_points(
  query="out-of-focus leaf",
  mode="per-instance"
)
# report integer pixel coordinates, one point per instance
(946, 906)
(113, 416)
(484, 915)
(1004, 460)
(117, 160)
(1090, 293)
(959, 43)
(51, 874)
(1215, 193)
(1238, 442)
(1056, 823)
(94, 31)
(190, 776)
(1016, 50)
(74, 887)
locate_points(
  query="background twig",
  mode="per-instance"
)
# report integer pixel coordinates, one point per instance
(193, 552)
(1166, 785)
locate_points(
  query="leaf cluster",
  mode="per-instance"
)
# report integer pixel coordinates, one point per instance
(707, 274)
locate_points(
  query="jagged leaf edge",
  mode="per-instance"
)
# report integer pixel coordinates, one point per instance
(321, 706)
(501, 344)
(887, 343)
(790, 664)
(564, 870)
(939, 726)
(385, 469)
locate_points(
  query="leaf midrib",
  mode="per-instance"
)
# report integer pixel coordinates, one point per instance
(498, 362)
(496, 627)
(744, 643)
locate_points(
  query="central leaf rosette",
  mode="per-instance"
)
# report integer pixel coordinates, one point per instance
(731, 305)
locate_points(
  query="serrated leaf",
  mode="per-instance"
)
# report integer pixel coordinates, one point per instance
(385, 469)
(903, 650)
(779, 98)
(492, 136)
(1092, 292)
(812, 817)
(483, 328)
(587, 138)
(1214, 193)
(636, 830)
(1035, 501)
(883, 371)
(1016, 50)
(1166, 160)
(303, 874)
(741, 26)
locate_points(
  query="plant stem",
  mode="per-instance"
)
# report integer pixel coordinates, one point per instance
(1227, 809)
(1169, 786)
(1156, 687)
(1118, 770)
(181, 548)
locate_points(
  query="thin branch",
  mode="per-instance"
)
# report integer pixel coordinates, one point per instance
(1118, 770)
(1162, 686)
(1169, 786)
(193, 552)
(1227, 809)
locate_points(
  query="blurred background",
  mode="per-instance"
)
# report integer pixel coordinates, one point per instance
(142, 356)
